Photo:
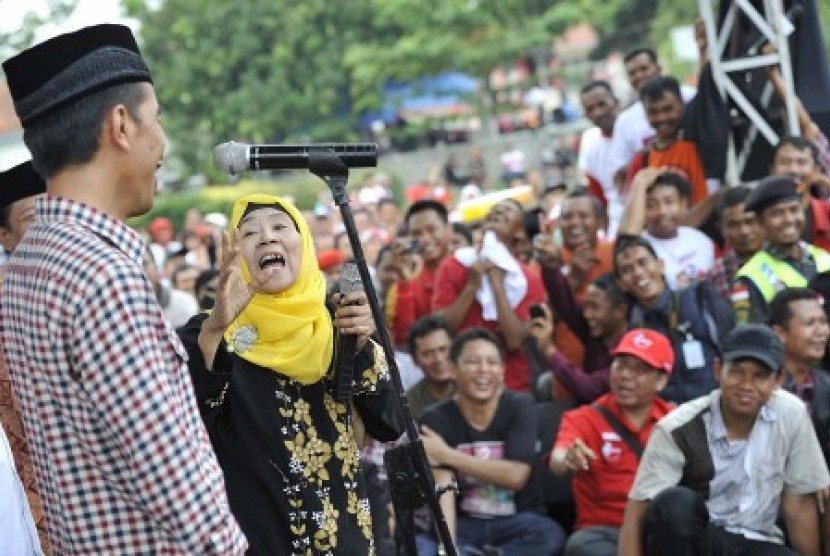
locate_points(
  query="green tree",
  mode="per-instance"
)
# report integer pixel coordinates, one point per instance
(23, 37)
(274, 70)
(413, 38)
(258, 70)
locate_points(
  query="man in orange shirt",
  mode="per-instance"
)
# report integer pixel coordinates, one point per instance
(663, 104)
(584, 257)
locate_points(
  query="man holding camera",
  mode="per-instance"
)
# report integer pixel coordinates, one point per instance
(410, 297)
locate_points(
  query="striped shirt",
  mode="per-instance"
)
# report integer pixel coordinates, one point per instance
(123, 462)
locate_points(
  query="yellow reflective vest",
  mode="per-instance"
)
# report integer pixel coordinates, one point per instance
(771, 275)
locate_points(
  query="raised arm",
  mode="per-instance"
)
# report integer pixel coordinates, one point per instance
(634, 216)
(453, 300)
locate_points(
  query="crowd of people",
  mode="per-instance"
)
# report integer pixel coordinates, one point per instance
(664, 333)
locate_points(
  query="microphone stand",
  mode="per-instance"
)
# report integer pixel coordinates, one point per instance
(410, 477)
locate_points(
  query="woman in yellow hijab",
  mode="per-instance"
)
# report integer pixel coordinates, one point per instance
(261, 364)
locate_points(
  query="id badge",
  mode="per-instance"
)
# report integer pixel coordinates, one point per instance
(693, 354)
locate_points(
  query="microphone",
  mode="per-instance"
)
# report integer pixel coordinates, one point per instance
(345, 346)
(233, 158)
(791, 16)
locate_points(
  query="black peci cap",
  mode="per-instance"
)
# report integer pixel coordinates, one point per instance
(754, 341)
(20, 182)
(57, 72)
(771, 191)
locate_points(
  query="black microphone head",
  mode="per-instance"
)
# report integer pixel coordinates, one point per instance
(231, 157)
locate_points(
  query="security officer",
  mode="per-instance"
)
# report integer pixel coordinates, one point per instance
(785, 261)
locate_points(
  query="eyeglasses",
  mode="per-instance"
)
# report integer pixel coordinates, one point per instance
(636, 367)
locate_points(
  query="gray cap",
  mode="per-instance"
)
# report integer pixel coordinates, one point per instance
(754, 341)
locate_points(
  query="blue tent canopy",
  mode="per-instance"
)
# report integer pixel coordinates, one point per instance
(445, 89)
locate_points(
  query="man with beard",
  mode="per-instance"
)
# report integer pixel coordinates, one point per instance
(786, 261)
(601, 444)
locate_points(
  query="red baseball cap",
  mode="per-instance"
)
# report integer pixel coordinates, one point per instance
(648, 345)
(330, 258)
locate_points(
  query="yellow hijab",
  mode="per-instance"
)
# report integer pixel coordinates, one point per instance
(289, 332)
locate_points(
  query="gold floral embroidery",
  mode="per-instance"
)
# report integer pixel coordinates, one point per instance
(311, 453)
(372, 376)
(360, 508)
(345, 449)
(326, 536)
(313, 461)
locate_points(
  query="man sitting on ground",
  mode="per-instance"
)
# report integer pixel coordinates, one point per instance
(717, 470)
(429, 343)
(601, 444)
(486, 437)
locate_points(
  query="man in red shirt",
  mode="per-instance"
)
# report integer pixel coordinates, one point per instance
(601, 444)
(460, 289)
(410, 298)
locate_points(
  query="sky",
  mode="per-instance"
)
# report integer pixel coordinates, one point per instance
(87, 12)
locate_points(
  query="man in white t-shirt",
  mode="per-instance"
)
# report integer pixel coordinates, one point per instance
(632, 132)
(601, 108)
(658, 201)
(513, 164)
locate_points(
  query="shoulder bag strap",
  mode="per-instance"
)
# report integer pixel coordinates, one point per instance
(630, 440)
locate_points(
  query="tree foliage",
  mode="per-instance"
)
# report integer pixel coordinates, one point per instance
(279, 70)
(24, 36)
(276, 70)
(258, 70)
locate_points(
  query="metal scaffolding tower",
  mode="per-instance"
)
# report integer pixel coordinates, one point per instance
(771, 22)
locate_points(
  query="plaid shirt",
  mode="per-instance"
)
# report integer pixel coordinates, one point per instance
(723, 272)
(122, 459)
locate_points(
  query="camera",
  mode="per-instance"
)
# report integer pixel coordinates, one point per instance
(413, 248)
(537, 311)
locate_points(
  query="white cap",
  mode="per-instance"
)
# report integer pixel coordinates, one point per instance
(217, 219)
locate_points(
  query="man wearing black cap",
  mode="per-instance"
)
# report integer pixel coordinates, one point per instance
(122, 459)
(717, 470)
(786, 261)
(20, 186)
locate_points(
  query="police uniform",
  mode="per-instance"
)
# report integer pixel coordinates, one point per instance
(772, 269)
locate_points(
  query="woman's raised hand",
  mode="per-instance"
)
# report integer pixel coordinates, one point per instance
(233, 293)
